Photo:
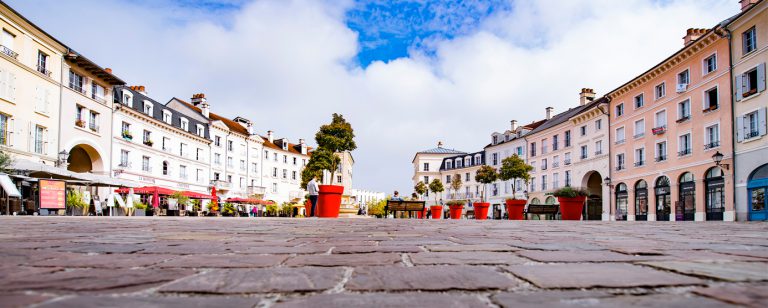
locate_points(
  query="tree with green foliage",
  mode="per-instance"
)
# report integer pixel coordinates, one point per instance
(181, 200)
(5, 162)
(456, 183)
(336, 137)
(436, 187)
(485, 175)
(513, 168)
(376, 208)
(420, 188)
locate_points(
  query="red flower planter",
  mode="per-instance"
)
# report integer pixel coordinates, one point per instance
(456, 211)
(481, 210)
(515, 209)
(571, 208)
(437, 211)
(422, 214)
(329, 201)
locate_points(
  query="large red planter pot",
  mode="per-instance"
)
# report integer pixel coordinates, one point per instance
(422, 214)
(308, 208)
(570, 208)
(515, 209)
(481, 210)
(456, 211)
(437, 211)
(329, 201)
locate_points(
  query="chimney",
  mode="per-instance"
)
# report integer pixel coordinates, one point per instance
(692, 35)
(439, 144)
(303, 146)
(250, 128)
(140, 89)
(549, 113)
(587, 96)
(108, 70)
(746, 4)
(200, 101)
(514, 125)
(270, 137)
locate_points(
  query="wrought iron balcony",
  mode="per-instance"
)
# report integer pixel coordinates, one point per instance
(661, 158)
(43, 70)
(8, 52)
(639, 163)
(684, 152)
(711, 145)
(751, 134)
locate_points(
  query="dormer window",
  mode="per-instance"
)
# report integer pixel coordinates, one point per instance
(148, 108)
(200, 130)
(477, 159)
(127, 99)
(495, 139)
(468, 161)
(167, 117)
(285, 145)
(184, 124)
(458, 163)
(448, 164)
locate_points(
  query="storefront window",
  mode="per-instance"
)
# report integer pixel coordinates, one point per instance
(663, 199)
(687, 207)
(715, 197)
(641, 200)
(621, 201)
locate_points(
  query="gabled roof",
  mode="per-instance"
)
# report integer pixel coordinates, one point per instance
(278, 144)
(566, 115)
(232, 125)
(529, 127)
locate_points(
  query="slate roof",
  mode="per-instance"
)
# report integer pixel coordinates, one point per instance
(157, 110)
(278, 144)
(566, 115)
(441, 150)
(232, 125)
(471, 155)
(530, 127)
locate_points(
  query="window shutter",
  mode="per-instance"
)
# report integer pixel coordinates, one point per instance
(761, 77)
(761, 121)
(11, 131)
(45, 142)
(11, 86)
(3, 87)
(740, 128)
(739, 87)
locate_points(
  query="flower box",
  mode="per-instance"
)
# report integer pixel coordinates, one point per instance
(80, 123)
(659, 130)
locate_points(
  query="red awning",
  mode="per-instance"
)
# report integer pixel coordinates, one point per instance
(147, 190)
(195, 195)
(248, 200)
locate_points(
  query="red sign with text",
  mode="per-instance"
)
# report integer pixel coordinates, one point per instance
(52, 194)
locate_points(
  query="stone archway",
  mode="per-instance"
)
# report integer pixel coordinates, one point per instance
(84, 158)
(593, 183)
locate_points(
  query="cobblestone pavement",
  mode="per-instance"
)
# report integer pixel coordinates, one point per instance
(247, 262)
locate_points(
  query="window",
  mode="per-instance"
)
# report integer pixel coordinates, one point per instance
(229, 179)
(683, 111)
(274, 172)
(199, 175)
(184, 124)
(458, 163)
(217, 158)
(620, 161)
(639, 128)
(147, 138)
(230, 145)
(254, 167)
(661, 118)
(598, 124)
(711, 99)
(710, 64)
(274, 156)
(426, 168)
(145, 164)
(568, 178)
(76, 82)
(751, 125)
(123, 158)
(683, 79)
(166, 144)
(598, 147)
(39, 141)
(294, 161)
(466, 177)
(519, 153)
(555, 181)
(285, 173)
(544, 164)
(97, 92)
(448, 178)
(619, 112)
(751, 82)
(148, 108)
(285, 159)
(712, 136)
(533, 165)
(217, 141)
(639, 101)
(293, 175)
(567, 141)
(426, 180)
(7, 42)
(620, 137)
(533, 149)
(583, 130)
(183, 149)
(543, 146)
(4, 129)
(338, 179)
(448, 164)
(79, 113)
(555, 142)
(274, 187)
(749, 41)
(533, 184)
(42, 95)
(199, 154)
(639, 157)
(200, 130)
(127, 99)
(93, 121)
(42, 63)
(684, 145)
(583, 152)
(242, 165)
(495, 158)
(567, 159)
(661, 90)
(556, 161)
(216, 176)
(543, 182)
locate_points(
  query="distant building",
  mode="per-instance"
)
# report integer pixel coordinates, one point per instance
(427, 163)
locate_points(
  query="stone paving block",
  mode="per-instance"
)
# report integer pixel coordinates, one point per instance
(345, 260)
(22, 299)
(385, 300)
(465, 257)
(198, 247)
(266, 280)
(433, 278)
(135, 301)
(591, 275)
(310, 249)
(98, 248)
(224, 261)
(763, 254)
(116, 260)
(582, 256)
(729, 271)
(747, 295)
(91, 279)
(477, 247)
(370, 249)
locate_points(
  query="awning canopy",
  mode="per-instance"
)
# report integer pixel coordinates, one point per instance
(195, 195)
(8, 187)
(146, 190)
(37, 169)
(249, 201)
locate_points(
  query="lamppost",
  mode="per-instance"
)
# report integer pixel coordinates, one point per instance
(62, 159)
(718, 158)
(607, 181)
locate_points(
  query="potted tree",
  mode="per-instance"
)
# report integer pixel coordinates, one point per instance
(513, 168)
(456, 206)
(485, 175)
(74, 201)
(420, 188)
(571, 202)
(228, 209)
(436, 187)
(141, 208)
(336, 137)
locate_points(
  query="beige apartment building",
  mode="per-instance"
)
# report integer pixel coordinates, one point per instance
(427, 164)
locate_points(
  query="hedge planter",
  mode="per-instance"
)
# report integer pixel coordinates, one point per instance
(329, 201)
(437, 211)
(457, 209)
(481, 210)
(570, 208)
(515, 209)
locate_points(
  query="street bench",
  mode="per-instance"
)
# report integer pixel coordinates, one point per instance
(403, 206)
(543, 209)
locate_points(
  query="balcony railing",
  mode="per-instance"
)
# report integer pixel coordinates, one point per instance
(544, 167)
(683, 118)
(751, 134)
(583, 156)
(146, 168)
(684, 152)
(619, 167)
(76, 87)
(661, 158)
(93, 127)
(639, 163)
(659, 130)
(640, 135)
(256, 190)
(43, 70)
(620, 141)
(598, 152)
(221, 184)
(711, 145)
(8, 52)
(555, 165)
(567, 162)
(124, 164)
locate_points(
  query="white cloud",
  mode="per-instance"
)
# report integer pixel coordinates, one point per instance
(288, 65)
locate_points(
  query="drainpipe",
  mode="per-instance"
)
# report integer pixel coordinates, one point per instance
(733, 113)
(610, 158)
(61, 103)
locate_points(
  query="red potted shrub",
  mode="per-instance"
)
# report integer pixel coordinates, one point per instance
(332, 138)
(456, 208)
(571, 202)
(420, 188)
(436, 187)
(485, 175)
(513, 168)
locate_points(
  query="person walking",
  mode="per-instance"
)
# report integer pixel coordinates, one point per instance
(313, 191)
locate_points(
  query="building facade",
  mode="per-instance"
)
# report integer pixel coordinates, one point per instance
(283, 162)
(427, 164)
(749, 42)
(666, 125)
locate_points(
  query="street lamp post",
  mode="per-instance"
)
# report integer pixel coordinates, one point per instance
(62, 159)
(718, 158)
